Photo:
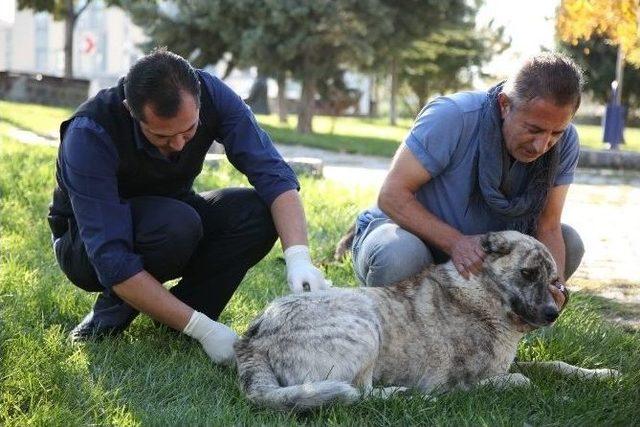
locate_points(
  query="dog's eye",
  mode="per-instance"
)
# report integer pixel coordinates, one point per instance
(529, 274)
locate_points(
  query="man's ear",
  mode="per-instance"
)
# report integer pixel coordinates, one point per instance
(128, 107)
(496, 243)
(505, 104)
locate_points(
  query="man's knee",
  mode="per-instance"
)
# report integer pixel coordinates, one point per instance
(574, 249)
(167, 232)
(391, 254)
(254, 217)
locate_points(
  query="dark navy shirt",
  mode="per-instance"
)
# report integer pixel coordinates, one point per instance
(89, 164)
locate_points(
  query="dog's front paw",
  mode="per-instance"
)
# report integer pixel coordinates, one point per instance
(600, 373)
(386, 392)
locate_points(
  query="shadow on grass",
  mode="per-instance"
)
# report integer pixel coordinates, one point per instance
(625, 314)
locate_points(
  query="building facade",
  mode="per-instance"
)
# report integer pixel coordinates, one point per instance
(105, 43)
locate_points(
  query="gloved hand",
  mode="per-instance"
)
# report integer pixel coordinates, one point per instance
(216, 339)
(301, 271)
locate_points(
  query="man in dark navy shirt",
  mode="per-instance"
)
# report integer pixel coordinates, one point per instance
(125, 218)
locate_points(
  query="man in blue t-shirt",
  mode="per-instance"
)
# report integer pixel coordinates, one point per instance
(476, 162)
(125, 217)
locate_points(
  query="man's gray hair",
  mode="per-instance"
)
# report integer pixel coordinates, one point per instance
(548, 75)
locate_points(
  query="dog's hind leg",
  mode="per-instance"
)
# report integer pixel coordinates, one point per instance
(570, 370)
(364, 381)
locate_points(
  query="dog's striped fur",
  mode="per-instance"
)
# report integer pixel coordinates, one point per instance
(434, 332)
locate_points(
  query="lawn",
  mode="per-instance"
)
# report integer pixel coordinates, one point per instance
(152, 376)
(342, 134)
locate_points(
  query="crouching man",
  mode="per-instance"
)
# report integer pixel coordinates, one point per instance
(125, 217)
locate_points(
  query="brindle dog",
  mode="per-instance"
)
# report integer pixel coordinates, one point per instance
(434, 332)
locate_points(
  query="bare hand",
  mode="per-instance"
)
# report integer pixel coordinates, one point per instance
(558, 295)
(467, 255)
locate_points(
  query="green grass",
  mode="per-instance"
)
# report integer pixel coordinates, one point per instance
(342, 134)
(41, 119)
(591, 137)
(151, 376)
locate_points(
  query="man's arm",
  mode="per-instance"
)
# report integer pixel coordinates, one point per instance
(549, 232)
(143, 292)
(549, 229)
(289, 220)
(288, 217)
(397, 199)
(251, 151)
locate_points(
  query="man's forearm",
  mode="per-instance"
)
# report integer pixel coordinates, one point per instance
(289, 220)
(143, 292)
(408, 213)
(552, 239)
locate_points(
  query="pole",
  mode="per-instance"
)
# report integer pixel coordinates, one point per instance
(619, 75)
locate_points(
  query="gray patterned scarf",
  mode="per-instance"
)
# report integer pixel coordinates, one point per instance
(522, 210)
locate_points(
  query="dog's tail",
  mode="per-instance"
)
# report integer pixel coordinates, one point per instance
(344, 245)
(261, 386)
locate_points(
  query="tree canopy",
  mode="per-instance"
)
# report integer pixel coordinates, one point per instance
(615, 22)
(598, 61)
(311, 40)
(443, 61)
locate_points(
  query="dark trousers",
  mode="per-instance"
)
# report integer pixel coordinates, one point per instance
(210, 240)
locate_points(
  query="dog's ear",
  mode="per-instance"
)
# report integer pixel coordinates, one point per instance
(496, 243)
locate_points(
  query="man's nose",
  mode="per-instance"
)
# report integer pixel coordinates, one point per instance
(178, 142)
(541, 143)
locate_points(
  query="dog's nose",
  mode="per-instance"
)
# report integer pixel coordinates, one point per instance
(550, 313)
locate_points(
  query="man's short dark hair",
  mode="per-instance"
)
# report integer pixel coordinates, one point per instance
(157, 80)
(548, 75)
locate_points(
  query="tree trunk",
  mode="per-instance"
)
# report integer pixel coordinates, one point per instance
(619, 75)
(393, 113)
(307, 100)
(282, 97)
(258, 98)
(373, 97)
(69, 25)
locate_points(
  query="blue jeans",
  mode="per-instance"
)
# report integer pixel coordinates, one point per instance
(384, 253)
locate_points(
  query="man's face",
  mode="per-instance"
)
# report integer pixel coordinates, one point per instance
(531, 129)
(170, 135)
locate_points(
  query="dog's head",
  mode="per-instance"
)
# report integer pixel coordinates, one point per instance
(523, 270)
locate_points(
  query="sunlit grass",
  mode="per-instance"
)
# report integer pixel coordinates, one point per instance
(42, 119)
(361, 135)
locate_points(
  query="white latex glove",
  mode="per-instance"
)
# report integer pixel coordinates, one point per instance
(216, 339)
(301, 271)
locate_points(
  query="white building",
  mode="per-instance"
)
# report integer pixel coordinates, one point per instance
(105, 43)
(104, 48)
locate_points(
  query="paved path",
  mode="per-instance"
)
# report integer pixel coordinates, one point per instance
(603, 206)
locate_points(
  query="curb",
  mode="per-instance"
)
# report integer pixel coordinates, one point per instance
(308, 166)
(601, 159)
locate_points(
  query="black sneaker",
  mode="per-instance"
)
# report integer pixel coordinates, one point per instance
(110, 316)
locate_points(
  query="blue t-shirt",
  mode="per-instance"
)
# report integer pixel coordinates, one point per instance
(444, 139)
